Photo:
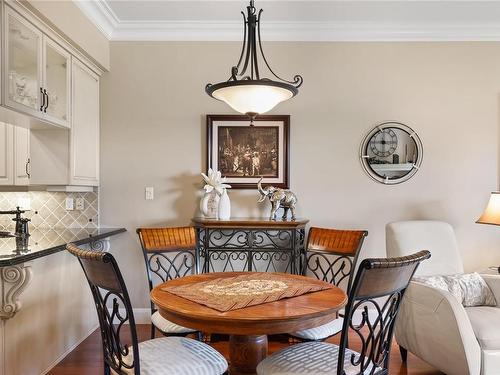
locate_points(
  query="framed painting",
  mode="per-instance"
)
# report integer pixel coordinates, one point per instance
(245, 153)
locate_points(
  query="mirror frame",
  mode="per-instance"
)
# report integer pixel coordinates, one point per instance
(363, 157)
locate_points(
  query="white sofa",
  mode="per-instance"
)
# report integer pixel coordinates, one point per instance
(432, 324)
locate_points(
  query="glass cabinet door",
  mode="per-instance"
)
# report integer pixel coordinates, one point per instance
(56, 82)
(23, 72)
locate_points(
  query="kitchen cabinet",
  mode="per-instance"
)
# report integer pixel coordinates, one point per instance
(37, 71)
(21, 156)
(23, 64)
(6, 154)
(48, 82)
(56, 83)
(85, 127)
(70, 157)
(14, 155)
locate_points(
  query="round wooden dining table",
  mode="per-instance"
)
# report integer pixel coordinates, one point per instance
(248, 327)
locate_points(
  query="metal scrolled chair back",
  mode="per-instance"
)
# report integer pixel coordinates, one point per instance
(113, 309)
(376, 292)
(169, 253)
(332, 254)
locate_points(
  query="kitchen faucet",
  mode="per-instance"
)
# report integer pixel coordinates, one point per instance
(21, 222)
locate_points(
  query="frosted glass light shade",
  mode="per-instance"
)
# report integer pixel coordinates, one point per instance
(491, 214)
(248, 98)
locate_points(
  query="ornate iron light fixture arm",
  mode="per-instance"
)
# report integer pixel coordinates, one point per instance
(235, 69)
(252, 35)
(297, 79)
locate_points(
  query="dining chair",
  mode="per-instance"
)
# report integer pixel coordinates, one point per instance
(166, 355)
(169, 253)
(331, 256)
(375, 296)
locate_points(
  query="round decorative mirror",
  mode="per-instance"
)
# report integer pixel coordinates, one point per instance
(391, 153)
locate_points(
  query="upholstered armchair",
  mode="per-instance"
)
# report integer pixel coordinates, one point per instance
(432, 323)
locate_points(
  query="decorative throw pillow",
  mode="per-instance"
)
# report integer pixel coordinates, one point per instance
(468, 288)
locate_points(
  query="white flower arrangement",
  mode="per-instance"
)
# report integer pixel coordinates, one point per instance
(215, 181)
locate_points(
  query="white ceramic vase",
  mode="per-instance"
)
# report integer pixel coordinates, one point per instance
(209, 205)
(224, 206)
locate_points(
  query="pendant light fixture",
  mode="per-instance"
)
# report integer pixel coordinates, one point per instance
(250, 93)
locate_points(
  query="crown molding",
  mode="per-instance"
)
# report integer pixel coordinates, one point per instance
(115, 29)
(101, 15)
(301, 31)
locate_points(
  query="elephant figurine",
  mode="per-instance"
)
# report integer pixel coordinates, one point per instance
(278, 198)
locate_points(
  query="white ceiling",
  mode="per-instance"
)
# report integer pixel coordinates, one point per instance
(296, 20)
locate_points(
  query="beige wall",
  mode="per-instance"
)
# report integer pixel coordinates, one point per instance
(68, 18)
(153, 134)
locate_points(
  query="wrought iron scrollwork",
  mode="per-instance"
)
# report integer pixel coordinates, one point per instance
(221, 250)
(274, 261)
(330, 268)
(229, 239)
(276, 239)
(168, 266)
(116, 354)
(374, 331)
(227, 261)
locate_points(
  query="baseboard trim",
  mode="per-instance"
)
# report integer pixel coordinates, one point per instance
(69, 350)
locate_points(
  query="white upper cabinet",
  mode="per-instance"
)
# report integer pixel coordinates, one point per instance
(6, 155)
(85, 129)
(23, 64)
(37, 70)
(44, 76)
(56, 82)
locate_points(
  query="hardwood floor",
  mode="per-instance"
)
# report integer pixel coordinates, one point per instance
(86, 359)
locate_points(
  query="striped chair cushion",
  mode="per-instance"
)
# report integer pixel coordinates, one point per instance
(310, 358)
(166, 326)
(321, 332)
(179, 356)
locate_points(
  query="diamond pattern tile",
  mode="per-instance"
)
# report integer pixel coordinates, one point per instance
(48, 210)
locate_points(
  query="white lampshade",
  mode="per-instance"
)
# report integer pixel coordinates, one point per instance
(491, 214)
(256, 99)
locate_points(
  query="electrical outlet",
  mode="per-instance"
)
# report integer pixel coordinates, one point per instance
(80, 204)
(70, 204)
(150, 193)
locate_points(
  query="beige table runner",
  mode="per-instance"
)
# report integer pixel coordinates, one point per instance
(231, 293)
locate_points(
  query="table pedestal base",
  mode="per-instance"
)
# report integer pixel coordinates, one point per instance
(245, 353)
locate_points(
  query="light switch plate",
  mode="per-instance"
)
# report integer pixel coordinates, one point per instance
(70, 204)
(150, 193)
(80, 204)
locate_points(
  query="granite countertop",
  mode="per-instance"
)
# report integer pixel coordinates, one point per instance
(43, 242)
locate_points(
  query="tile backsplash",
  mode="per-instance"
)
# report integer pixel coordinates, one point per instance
(47, 209)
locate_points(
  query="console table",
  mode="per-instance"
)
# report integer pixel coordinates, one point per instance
(249, 244)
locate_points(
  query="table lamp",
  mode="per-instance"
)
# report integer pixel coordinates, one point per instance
(491, 215)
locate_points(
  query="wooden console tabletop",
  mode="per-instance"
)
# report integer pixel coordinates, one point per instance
(249, 222)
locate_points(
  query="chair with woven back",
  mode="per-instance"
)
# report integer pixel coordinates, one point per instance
(122, 353)
(331, 256)
(169, 253)
(376, 294)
